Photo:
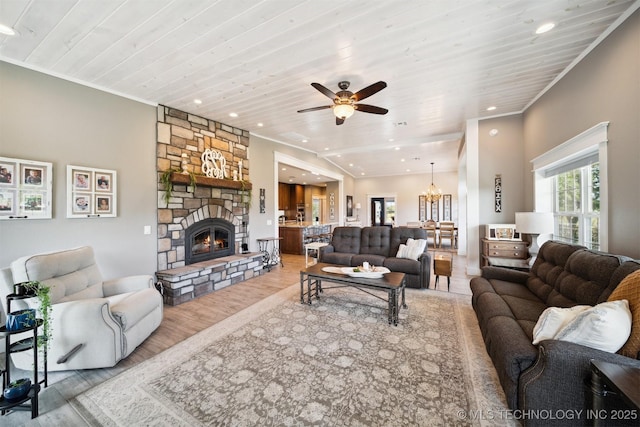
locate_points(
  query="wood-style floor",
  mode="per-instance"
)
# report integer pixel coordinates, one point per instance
(179, 323)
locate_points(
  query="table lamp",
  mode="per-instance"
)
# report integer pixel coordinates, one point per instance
(534, 224)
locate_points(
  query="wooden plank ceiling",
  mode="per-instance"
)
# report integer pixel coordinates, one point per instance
(444, 62)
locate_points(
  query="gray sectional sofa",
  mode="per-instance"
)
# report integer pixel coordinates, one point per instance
(352, 246)
(553, 375)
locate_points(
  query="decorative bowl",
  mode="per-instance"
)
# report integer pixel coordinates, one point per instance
(17, 389)
(21, 319)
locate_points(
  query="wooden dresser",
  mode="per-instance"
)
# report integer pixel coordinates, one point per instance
(505, 253)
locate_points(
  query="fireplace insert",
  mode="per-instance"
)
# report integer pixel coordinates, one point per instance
(209, 239)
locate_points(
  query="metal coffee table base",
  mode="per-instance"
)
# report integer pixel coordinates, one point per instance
(393, 284)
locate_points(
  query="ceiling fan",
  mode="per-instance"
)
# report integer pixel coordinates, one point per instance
(345, 102)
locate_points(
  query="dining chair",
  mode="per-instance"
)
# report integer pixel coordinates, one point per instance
(447, 231)
(430, 226)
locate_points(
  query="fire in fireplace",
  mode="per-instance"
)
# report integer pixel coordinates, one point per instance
(209, 239)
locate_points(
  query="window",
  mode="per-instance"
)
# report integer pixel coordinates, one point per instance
(571, 181)
(577, 206)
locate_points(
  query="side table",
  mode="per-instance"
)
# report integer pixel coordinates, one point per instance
(610, 378)
(270, 258)
(313, 246)
(442, 266)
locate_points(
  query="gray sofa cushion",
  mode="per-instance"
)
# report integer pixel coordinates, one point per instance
(372, 259)
(375, 241)
(346, 240)
(341, 258)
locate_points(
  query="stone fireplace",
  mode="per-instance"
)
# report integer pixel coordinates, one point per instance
(202, 225)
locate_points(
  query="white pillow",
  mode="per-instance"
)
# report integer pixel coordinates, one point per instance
(402, 251)
(553, 319)
(605, 327)
(413, 249)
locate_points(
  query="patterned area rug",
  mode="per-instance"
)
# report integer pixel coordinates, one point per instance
(337, 362)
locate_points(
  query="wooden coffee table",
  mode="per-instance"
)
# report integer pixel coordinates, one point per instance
(392, 283)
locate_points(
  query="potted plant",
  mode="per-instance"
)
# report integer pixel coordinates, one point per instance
(17, 389)
(41, 292)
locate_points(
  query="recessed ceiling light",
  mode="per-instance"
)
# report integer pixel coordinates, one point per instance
(233, 114)
(361, 173)
(304, 140)
(351, 164)
(402, 160)
(493, 107)
(545, 27)
(304, 174)
(493, 132)
(197, 101)
(260, 125)
(339, 155)
(326, 148)
(284, 169)
(390, 139)
(8, 31)
(397, 148)
(408, 170)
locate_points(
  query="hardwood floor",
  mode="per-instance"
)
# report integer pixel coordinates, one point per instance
(179, 323)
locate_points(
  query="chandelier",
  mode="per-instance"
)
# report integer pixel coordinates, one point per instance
(433, 193)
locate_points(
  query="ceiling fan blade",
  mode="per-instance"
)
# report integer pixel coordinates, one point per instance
(365, 108)
(339, 121)
(315, 108)
(368, 91)
(324, 90)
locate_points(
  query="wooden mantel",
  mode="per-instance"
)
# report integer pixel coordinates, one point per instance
(205, 181)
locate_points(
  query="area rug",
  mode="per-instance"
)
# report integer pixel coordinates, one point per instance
(334, 363)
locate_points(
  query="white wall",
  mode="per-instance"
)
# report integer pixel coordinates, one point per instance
(405, 189)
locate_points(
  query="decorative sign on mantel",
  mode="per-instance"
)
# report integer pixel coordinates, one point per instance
(213, 164)
(498, 193)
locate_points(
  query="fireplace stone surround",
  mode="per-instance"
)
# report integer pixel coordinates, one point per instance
(181, 136)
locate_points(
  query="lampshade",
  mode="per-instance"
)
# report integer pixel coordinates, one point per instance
(343, 111)
(534, 222)
(358, 206)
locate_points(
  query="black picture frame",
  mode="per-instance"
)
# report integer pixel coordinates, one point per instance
(446, 207)
(349, 206)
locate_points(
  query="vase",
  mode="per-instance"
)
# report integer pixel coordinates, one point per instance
(17, 389)
(21, 319)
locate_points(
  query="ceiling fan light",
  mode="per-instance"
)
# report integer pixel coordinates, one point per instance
(343, 111)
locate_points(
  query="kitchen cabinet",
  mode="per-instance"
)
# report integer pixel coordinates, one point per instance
(284, 196)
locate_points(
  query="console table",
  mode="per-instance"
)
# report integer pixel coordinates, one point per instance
(270, 258)
(505, 253)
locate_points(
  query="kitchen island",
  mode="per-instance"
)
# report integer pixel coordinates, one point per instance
(295, 234)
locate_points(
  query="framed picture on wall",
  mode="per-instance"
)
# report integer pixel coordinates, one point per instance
(349, 206)
(435, 211)
(91, 192)
(25, 189)
(422, 208)
(446, 207)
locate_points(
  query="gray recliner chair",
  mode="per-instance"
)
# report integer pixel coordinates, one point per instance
(94, 323)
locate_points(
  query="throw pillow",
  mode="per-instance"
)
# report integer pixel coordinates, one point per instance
(553, 319)
(604, 327)
(629, 289)
(402, 251)
(413, 249)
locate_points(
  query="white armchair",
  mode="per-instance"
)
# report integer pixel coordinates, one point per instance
(94, 323)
